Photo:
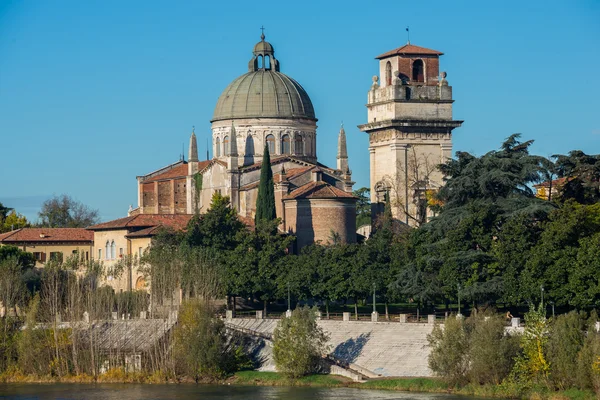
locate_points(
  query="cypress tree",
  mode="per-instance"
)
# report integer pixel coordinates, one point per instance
(265, 201)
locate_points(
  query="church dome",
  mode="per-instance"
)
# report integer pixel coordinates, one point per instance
(264, 92)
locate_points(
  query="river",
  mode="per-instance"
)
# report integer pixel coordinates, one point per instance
(204, 392)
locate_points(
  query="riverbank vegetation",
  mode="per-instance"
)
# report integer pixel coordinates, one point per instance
(557, 354)
(491, 243)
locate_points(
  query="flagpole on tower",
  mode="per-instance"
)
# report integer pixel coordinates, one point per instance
(408, 33)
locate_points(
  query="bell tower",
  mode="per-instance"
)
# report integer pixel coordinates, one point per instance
(409, 114)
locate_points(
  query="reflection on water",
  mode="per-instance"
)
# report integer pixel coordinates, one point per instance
(204, 392)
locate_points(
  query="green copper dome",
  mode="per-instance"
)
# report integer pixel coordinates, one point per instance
(263, 92)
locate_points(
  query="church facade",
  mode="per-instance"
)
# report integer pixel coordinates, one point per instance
(262, 107)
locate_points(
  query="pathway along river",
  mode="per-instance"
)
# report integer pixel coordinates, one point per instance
(204, 392)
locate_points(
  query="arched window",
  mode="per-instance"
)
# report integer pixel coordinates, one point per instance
(285, 144)
(267, 62)
(107, 252)
(388, 73)
(299, 145)
(417, 71)
(113, 250)
(226, 146)
(218, 148)
(259, 59)
(271, 144)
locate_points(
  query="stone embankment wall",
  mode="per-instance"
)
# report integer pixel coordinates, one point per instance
(383, 348)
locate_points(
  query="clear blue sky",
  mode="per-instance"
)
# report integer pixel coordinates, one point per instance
(94, 93)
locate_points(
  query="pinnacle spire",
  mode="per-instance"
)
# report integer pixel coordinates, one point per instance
(193, 149)
(342, 154)
(233, 151)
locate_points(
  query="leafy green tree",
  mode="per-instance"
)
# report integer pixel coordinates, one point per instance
(384, 257)
(299, 343)
(565, 341)
(200, 342)
(511, 250)
(531, 366)
(449, 350)
(4, 211)
(32, 342)
(65, 212)
(563, 260)
(12, 221)
(491, 350)
(265, 200)
(363, 206)
(588, 360)
(582, 173)
(217, 228)
(480, 195)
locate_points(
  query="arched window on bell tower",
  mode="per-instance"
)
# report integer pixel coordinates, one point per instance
(388, 73)
(418, 71)
(218, 147)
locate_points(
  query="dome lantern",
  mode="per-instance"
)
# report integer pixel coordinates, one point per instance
(264, 57)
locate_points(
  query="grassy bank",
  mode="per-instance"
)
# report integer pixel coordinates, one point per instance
(430, 385)
(256, 378)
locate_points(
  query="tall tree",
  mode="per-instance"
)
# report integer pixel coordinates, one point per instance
(265, 201)
(480, 195)
(582, 173)
(65, 212)
(13, 221)
(363, 206)
(4, 211)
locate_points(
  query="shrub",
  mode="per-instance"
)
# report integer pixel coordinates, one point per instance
(531, 367)
(200, 343)
(565, 341)
(491, 351)
(33, 343)
(588, 361)
(449, 350)
(298, 343)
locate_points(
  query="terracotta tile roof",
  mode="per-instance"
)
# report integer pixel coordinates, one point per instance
(153, 230)
(555, 183)
(175, 221)
(47, 235)
(250, 186)
(319, 190)
(203, 164)
(179, 171)
(409, 49)
(278, 160)
(294, 172)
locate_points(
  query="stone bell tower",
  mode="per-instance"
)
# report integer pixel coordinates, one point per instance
(410, 131)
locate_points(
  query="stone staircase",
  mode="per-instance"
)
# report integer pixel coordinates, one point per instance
(371, 348)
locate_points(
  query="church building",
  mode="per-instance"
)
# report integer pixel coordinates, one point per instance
(409, 125)
(262, 107)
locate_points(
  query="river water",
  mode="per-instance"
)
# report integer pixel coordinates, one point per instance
(204, 392)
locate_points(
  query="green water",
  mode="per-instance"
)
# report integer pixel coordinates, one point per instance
(204, 392)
